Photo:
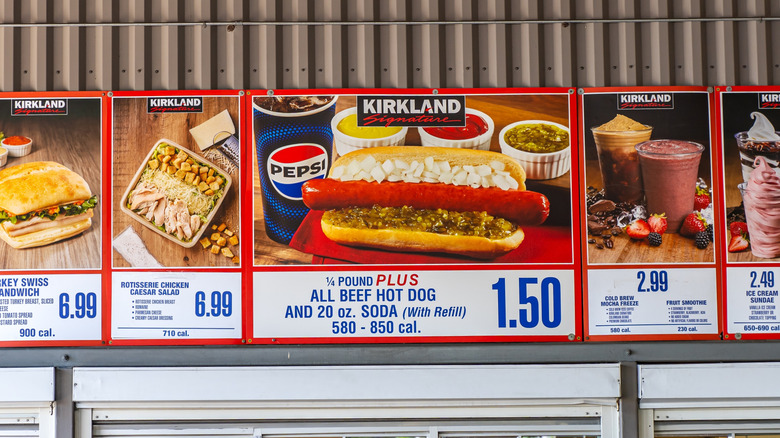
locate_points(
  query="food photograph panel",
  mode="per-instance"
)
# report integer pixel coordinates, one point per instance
(648, 176)
(176, 178)
(750, 134)
(412, 178)
(50, 181)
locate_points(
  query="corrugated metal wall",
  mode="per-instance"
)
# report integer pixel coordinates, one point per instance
(235, 44)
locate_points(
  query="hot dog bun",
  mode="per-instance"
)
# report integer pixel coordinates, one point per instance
(455, 156)
(415, 241)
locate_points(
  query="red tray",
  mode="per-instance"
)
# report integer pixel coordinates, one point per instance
(542, 244)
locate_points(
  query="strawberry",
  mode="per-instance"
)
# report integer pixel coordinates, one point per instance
(738, 243)
(693, 224)
(737, 228)
(638, 229)
(701, 200)
(657, 223)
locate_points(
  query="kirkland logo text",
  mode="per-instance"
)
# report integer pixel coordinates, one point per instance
(629, 101)
(174, 105)
(39, 107)
(411, 110)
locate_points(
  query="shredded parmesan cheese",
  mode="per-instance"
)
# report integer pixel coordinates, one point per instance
(197, 202)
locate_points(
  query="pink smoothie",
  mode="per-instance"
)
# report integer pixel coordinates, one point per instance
(670, 169)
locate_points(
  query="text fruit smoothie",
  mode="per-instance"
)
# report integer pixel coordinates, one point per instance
(670, 169)
(761, 196)
(618, 159)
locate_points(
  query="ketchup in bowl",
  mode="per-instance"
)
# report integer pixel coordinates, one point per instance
(475, 126)
(16, 140)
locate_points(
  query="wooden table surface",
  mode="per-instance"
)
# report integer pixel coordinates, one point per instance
(674, 249)
(503, 109)
(134, 134)
(74, 141)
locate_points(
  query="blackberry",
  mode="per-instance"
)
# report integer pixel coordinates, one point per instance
(654, 239)
(710, 232)
(702, 240)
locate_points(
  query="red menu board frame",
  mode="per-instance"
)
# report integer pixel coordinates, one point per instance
(641, 268)
(746, 298)
(336, 268)
(239, 270)
(104, 233)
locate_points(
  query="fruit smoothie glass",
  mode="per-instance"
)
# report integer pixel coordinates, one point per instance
(670, 169)
(618, 159)
(761, 196)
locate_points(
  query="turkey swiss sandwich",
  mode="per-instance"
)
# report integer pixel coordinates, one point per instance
(43, 202)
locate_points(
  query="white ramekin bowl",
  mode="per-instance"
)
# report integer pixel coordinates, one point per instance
(481, 141)
(538, 165)
(3, 156)
(346, 143)
(17, 150)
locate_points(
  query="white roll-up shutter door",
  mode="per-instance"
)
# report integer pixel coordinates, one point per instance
(27, 407)
(341, 402)
(695, 399)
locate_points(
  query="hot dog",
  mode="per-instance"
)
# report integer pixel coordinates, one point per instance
(427, 199)
(521, 207)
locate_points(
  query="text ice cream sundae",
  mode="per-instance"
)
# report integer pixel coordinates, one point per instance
(761, 196)
(760, 140)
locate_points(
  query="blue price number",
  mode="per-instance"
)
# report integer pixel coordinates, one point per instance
(762, 279)
(652, 281)
(80, 305)
(546, 307)
(343, 327)
(221, 304)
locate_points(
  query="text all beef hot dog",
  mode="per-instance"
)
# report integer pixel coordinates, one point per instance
(428, 199)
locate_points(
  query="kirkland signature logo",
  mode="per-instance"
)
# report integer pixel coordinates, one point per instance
(768, 100)
(39, 107)
(629, 101)
(411, 110)
(174, 105)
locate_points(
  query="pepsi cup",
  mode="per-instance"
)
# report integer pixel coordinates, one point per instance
(292, 148)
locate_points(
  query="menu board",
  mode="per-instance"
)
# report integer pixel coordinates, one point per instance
(648, 225)
(176, 231)
(389, 216)
(749, 119)
(50, 218)
(414, 216)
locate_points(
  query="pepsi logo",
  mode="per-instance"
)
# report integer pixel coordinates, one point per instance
(290, 166)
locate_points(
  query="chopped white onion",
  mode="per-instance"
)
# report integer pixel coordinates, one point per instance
(430, 170)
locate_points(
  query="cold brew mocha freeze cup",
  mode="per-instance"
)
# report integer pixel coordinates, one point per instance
(294, 144)
(670, 169)
(618, 158)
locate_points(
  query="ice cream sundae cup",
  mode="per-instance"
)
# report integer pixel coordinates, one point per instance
(761, 140)
(761, 197)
